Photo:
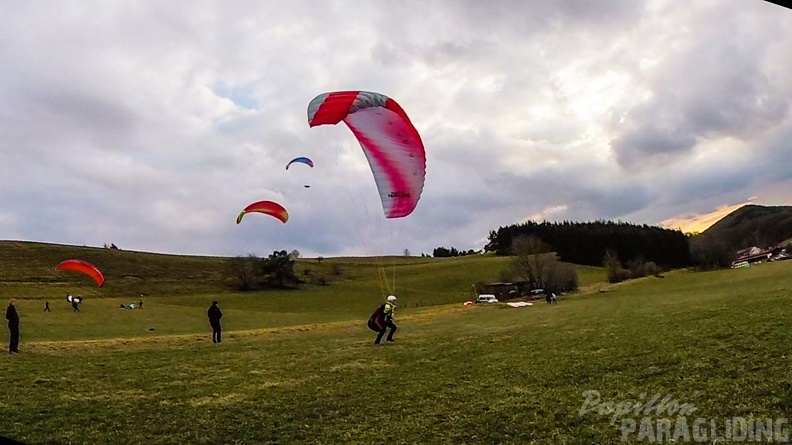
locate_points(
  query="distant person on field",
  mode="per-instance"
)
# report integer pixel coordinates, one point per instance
(388, 310)
(13, 328)
(553, 298)
(140, 304)
(74, 306)
(215, 315)
(46, 307)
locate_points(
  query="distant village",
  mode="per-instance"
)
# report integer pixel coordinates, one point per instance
(756, 255)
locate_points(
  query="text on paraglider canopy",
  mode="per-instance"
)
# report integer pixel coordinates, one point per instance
(399, 195)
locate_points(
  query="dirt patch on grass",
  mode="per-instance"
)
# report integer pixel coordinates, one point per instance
(284, 383)
(359, 365)
(116, 395)
(217, 400)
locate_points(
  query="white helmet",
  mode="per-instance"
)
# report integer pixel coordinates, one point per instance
(391, 299)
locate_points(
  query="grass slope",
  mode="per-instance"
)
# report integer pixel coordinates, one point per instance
(180, 288)
(473, 375)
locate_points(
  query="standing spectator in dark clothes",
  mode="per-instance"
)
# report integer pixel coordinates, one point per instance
(215, 315)
(13, 328)
(46, 307)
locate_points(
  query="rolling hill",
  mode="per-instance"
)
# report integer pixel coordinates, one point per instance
(27, 271)
(752, 225)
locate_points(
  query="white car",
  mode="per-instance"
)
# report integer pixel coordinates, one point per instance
(486, 298)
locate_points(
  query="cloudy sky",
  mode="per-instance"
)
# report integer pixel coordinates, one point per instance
(152, 124)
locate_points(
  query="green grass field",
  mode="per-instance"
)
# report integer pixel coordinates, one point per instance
(300, 366)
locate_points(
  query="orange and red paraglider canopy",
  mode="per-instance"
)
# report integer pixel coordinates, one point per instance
(268, 208)
(82, 267)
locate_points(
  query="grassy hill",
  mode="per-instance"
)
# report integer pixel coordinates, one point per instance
(179, 287)
(27, 269)
(475, 375)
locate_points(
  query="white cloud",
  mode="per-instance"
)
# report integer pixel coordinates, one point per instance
(151, 125)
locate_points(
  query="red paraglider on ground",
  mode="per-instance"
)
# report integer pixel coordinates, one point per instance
(82, 267)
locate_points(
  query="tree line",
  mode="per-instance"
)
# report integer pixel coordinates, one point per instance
(626, 250)
(444, 252)
(588, 242)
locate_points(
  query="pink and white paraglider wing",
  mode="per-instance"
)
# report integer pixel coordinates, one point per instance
(396, 157)
(390, 142)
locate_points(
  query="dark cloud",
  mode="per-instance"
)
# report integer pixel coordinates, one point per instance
(713, 83)
(151, 126)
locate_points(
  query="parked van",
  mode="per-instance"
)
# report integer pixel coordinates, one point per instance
(486, 298)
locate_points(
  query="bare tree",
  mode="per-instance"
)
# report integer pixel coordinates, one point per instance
(531, 259)
(243, 268)
(560, 277)
(535, 263)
